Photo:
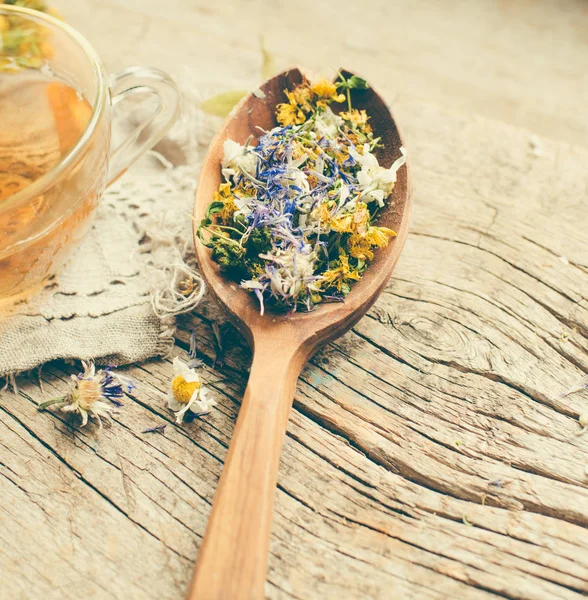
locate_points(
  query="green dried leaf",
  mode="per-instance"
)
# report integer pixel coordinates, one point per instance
(222, 104)
(353, 83)
(357, 83)
(213, 208)
(268, 63)
(227, 253)
(209, 243)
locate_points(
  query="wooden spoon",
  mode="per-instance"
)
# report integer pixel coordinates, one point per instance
(232, 562)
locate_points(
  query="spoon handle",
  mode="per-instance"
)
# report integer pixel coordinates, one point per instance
(232, 561)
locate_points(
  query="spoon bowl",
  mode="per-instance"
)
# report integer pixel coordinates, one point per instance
(232, 562)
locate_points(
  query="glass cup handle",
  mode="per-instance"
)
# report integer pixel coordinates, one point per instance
(143, 80)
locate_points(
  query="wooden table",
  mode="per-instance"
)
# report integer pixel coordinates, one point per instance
(429, 454)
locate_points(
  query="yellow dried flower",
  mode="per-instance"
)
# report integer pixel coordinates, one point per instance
(182, 390)
(359, 247)
(301, 96)
(342, 224)
(322, 212)
(289, 114)
(224, 189)
(327, 90)
(361, 218)
(312, 180)
(225, 196)
(379, 236)
(186, 286)
(187, 392)
(338, 276)
(358, 118)
(351, 222)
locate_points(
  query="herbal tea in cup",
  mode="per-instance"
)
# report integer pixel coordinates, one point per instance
(55, 126)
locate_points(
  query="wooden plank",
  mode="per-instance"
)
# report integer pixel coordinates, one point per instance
(520, 63)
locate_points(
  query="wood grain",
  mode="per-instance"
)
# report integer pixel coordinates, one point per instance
(429, 454)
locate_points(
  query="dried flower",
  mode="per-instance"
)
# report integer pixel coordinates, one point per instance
(326, 90)
(237, 158)
(357, 118)
(193, 351)
(377, 182)
(339, 277)
(187, 393)
(499, 483)
(289, 114)
(292, 220)
(93, 393)
(155, 429)
(327, 123)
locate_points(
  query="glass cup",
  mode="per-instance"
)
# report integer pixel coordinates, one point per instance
(42, 218)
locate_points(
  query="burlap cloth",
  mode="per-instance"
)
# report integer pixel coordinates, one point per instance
(116, 299)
